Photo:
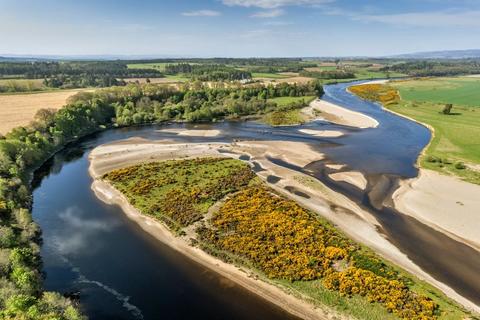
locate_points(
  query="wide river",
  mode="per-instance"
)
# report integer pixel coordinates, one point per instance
(120, 272)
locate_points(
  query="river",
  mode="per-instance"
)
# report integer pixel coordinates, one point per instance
(120, 272)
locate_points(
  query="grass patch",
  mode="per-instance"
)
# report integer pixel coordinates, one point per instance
(459, 91)
(180, 192)
(269, 75)
(288, 111)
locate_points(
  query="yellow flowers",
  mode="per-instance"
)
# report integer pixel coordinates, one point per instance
(287, 242)
(376, 92)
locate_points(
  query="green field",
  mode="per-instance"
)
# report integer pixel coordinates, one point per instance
(459, 91)
(284, 101)
(456, 138)
(269, 75)
(160, 66)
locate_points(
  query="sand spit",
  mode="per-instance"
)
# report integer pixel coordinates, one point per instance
(322, 133)
(193, 132)
(340, 115)
(443, 202)
(359, 224)
(353, 177)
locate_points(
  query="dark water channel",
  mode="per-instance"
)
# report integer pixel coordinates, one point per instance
(121, 272)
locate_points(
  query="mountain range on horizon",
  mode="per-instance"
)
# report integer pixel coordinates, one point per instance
(441, 54)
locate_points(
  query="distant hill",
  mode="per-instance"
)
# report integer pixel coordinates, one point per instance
(447, 54)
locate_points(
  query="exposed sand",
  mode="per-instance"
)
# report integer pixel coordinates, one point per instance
(444, 202)
(353, 177)
(322, 133)
(340, 115)
(345, 214)
(19, 109)
(193, 132)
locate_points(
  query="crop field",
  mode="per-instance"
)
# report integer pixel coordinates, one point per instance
(459, 91)
(269, 75)
(160, 66)
(455, 142)
(281, 241)
(19, 109)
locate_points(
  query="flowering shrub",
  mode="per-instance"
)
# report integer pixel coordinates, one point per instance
(377, 92)
(287, 242)
(180, 192)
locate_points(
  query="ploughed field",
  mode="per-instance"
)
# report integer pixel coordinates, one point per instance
(221, 206)
(455, 145)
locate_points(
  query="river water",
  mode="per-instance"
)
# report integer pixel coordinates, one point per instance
(120, 272)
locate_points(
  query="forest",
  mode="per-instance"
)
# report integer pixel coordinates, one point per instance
(423, 68)
(75, 74)
(207, 72)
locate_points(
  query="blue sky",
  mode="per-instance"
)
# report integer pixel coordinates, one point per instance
(237, 28)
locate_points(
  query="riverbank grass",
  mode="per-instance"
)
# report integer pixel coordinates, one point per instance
(288, 112)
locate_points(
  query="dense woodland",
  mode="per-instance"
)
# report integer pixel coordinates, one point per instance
(207, 72)
(421, 68)
(67, 74)
(329, 74)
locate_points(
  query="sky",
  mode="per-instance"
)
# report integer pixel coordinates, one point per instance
(237, 28)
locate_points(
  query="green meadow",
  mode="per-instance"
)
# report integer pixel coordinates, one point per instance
(459, 91)
(456, 139)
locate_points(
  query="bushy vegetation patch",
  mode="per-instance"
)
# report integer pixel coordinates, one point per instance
(384, 94)
(180, 192)
(287, 242)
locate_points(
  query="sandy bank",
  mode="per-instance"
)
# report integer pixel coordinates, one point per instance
(353, 177)
(444, 202)
(193, 132)
(322, 133)
(340, 115)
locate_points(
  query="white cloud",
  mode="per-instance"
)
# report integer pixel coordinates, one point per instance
(425, 19)
(202, 13)
(271, 4)
(269, 13)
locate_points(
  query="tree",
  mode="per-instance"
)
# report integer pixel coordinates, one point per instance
(447, 109)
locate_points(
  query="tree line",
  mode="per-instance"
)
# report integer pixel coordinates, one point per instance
(422, 68)
(207, 72)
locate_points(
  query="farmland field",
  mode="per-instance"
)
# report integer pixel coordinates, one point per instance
(19, 109)
(455, 140)
(459, 91)
(269, 75)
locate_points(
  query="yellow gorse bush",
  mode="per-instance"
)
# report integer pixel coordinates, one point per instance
(287, 242)
(377, 92)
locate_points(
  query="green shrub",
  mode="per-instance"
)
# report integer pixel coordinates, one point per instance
(7, 237)
(460, 166)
